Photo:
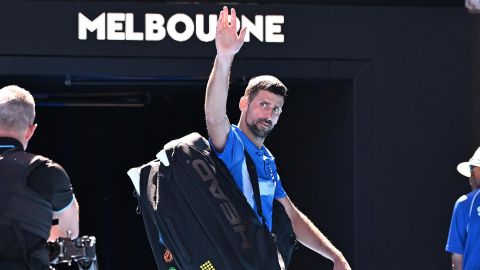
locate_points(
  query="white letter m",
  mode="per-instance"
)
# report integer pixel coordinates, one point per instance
(85, 24)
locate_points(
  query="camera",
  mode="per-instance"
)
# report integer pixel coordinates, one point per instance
(80, 251)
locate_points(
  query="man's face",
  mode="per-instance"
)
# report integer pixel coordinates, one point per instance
(475, 178)
(263, 112)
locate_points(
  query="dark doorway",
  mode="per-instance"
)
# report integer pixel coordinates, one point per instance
(313, 145)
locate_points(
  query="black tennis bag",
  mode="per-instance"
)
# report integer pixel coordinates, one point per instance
(197, 218)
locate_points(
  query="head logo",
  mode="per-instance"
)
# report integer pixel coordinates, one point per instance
(207, 266)
(168, 256)
(228, 208)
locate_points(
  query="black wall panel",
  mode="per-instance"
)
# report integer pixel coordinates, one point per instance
(385, 97)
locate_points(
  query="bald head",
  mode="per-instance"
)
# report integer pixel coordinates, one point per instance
(17, 109)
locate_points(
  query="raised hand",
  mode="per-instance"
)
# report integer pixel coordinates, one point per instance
(227, 41)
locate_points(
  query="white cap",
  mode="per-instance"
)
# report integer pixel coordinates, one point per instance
(464, 167)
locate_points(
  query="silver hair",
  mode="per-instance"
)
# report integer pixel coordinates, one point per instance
(17, 108)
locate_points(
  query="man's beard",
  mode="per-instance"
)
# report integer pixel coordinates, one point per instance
(260, 132)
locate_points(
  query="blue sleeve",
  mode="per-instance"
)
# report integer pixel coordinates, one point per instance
(279, 191)
(233, 151)
(458, 231)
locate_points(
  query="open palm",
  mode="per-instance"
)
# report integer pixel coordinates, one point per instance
(227, 41)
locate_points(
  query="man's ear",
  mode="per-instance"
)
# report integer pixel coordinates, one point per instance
(243, 103)
(30, 130)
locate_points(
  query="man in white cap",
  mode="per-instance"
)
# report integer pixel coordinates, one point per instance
(464, 235)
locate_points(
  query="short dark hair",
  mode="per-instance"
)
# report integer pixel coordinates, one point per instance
(265, 82)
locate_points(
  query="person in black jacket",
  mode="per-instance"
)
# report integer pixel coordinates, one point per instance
(36, 198)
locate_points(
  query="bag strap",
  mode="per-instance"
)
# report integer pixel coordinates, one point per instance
(252, 171)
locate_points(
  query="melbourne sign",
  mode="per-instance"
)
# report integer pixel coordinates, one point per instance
(179, 27)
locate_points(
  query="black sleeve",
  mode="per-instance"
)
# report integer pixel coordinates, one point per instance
(52, 183)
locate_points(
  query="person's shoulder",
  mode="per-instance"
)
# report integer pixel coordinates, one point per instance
(49, 168)
(49, 179)
(235, 129)
(464, 201)
(461, 205)
(462, 198)
(235, 134)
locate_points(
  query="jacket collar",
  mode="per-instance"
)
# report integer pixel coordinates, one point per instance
(9, 144)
